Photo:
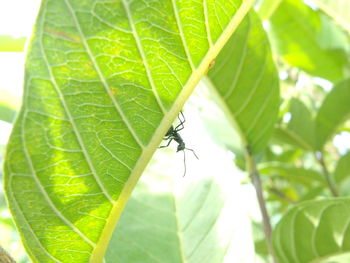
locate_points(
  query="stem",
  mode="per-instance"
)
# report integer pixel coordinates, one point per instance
(5, 257)
(255, 177)
(332, 187)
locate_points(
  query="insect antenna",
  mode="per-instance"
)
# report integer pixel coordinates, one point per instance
(185, 158)
(184, 164)
(194, 153)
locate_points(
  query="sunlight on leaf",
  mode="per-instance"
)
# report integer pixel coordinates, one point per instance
(247, 84)
(104, 81)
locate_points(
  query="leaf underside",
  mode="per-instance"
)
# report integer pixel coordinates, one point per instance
(247, 82)
(103, 82)
(313, 230)
(174, 220)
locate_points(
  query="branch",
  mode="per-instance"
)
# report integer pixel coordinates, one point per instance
(255, 177)
(332, 187)
(5, 257)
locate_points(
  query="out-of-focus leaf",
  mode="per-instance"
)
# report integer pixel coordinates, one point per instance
(168, 220)
(334, 111)
(313, 230)
(7, 113)
(299, 131)
(11, 44)
(104, 81)
(247, 83)
(292, 173)
(342, 170)
(312, 193)
(339, 10)
(332, 36)
(266, 8)
(9, 105)
(289, 155)
(261, 247)
(295, 33)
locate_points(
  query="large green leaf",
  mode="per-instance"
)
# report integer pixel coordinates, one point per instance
(295, 32)
(338, 9)
(247, 83)
(333, 112)
(104, 81)
(313, 230)
(170, 219)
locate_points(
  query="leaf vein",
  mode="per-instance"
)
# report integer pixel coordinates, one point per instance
(182, 35)
(102, 78)
(143, 55)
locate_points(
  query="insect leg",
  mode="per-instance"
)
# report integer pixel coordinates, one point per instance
(164, 146)
(181, 125)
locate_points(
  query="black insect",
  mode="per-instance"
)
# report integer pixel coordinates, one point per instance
(173, 134)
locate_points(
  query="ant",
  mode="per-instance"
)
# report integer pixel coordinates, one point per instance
(173, 134)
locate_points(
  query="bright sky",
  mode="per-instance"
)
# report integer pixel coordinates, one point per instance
(17, 16)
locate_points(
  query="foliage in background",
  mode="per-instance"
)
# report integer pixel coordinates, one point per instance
(294, 152)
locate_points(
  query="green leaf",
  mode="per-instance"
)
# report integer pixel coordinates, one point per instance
(292, 173)
(313, 230)
(104, 82)
(295, 33)
(12, 44)
(173, 220)
(299, 131)
(334, 111)
(332, 36)
(266, 8)
(342, 170)
(247, 84)
(338, 9)
(9, 105)
(7, 113)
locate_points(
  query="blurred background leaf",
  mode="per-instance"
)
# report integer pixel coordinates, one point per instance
(246, 83)
(313, 230)
(172, 219)
(299, 130)
(338, 9)
(334, 111)
(295, 30)
(12, 44)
